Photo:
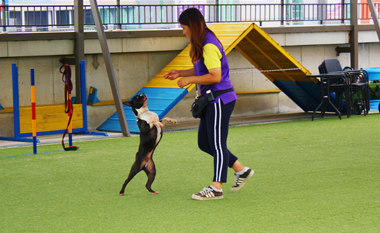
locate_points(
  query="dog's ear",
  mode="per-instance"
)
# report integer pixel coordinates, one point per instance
(128, 103)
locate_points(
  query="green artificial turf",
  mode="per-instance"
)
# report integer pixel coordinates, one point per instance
(310, 176)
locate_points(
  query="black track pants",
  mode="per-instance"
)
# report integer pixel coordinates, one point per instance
(212, 137)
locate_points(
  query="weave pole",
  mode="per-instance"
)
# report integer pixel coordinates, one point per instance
(34, 123)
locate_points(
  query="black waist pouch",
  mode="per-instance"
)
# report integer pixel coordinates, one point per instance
(199, 106)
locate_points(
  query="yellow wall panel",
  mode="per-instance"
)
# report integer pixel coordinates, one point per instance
(50, 118)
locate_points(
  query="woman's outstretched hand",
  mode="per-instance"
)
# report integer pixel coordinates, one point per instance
(173, 74)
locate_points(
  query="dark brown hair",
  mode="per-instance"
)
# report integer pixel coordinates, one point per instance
(194, 19)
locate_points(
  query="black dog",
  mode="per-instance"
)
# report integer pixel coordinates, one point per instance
(150, 135)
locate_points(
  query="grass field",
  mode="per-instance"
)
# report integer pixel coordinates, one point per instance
(320, 176)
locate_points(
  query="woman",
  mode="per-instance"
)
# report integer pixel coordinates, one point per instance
(210, 71)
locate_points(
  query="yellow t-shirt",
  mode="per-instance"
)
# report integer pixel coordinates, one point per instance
(211, 56)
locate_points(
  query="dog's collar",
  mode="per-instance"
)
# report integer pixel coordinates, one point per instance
(138, 117)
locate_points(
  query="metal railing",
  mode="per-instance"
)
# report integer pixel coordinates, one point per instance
(60, 18)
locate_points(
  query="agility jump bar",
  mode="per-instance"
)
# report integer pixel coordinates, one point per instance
(80, 128)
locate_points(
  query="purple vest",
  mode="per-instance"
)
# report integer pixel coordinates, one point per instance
(225, 83)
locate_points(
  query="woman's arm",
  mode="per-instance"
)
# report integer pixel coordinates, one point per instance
(214, 76)
(174, 74)
(212, 61)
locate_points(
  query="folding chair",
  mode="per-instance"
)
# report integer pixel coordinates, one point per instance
(358, 81)
(338, 82)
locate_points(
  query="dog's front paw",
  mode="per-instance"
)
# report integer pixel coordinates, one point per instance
(157, 124)
(167, 119)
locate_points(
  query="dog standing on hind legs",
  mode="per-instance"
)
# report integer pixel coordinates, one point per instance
(150, 135)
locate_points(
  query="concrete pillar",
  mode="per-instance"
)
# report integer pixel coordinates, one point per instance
(354, 38)
(79, 45)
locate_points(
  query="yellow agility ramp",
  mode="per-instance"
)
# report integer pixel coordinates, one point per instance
(256, 46)
(228, 34)
(261, 51)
